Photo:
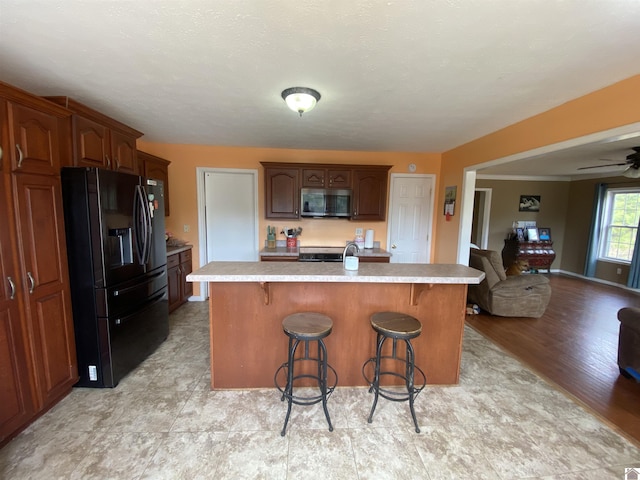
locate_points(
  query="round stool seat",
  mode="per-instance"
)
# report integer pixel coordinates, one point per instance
(307, 325)
(396, 325)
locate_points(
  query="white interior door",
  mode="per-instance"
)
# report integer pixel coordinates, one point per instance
(231, 220)
(410, 218)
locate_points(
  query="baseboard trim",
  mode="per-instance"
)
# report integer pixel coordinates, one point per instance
(598, 280)
(196, 298)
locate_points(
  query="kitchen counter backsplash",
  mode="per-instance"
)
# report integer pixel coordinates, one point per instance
(281, 250)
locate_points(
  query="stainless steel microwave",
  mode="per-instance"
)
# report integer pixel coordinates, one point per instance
(325, 202)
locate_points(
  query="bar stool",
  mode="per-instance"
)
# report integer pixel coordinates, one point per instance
(396, 326)
(306, 327)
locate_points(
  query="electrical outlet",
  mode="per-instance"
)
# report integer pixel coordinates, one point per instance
(187, 228)
(619, 271)
(358, 231)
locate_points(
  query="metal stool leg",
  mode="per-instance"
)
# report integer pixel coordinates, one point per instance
(375, 386)
(322, 356)
(288, 391)
(410, 384)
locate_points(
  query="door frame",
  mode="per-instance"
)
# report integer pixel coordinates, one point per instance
(202, 221)
(486, 214)
(429, 176)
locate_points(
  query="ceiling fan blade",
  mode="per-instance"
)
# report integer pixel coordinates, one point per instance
(607, 165)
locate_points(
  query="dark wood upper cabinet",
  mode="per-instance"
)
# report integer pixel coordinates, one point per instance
(369, 201)
(123, 150)
(34, 143)
(326, 177)
(91, 143)
(158, 169)
(101, 141)
(284, 180)
(282, 192)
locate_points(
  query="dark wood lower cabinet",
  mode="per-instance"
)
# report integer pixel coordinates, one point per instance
(15, 391)
(46, 285)
(179, 265)
(37, 349)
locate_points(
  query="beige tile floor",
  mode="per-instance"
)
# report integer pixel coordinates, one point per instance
(162, 421)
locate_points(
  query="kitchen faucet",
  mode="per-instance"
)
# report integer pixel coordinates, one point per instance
(346, 249)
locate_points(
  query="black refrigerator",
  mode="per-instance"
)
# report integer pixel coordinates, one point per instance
(116, 246)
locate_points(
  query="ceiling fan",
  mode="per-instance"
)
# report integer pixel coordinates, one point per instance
(633, 162)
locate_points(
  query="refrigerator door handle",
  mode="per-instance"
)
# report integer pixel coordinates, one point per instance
(149, 219)
(141, 224)
(148, 280)
(158, 298)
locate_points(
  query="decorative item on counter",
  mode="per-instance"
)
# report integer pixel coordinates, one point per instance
(271, 236)
(292, 235)
(173, 241)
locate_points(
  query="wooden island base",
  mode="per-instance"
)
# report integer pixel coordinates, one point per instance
(248, 344)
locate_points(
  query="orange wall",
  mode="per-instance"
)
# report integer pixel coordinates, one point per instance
(182, 186)
(610, 107)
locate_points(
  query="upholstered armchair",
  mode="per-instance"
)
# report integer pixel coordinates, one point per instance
(629, 342)
(525, 295)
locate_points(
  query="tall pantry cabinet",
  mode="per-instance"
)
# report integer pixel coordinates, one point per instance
(37, 349)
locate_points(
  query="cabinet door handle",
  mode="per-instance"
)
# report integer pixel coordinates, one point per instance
(32, 282)
(108, 161)
(117, 162)
(20, 155)
(13, 288)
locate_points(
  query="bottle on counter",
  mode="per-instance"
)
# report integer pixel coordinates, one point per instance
(359, 241)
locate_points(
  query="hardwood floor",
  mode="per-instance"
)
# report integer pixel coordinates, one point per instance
(575, 345)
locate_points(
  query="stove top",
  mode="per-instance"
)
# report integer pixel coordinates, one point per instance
(320, 254)
(322, 250)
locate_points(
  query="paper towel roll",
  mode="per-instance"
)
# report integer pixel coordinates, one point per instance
(368, 239)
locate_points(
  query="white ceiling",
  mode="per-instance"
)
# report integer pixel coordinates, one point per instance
(395, 75)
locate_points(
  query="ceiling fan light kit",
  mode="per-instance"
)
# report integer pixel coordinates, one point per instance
(632, 162)
(300, 99)
(632, 171)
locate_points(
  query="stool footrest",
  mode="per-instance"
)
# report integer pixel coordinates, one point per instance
(305, 400)
(395, 395)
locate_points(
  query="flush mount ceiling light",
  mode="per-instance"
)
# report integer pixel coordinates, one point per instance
(300, 99)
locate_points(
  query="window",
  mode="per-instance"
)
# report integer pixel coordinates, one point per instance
(620, 225)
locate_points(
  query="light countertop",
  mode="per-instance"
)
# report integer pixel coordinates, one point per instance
(293, 252)
(181, 248)
(334, 272)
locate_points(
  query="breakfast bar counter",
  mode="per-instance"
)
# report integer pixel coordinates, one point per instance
(249, 300)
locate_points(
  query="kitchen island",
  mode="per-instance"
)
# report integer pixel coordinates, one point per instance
(249, 300)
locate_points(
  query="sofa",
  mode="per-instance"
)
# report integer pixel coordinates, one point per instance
(525, 295)
(629, 342)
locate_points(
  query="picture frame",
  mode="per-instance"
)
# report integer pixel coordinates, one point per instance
(532, 234)
(450, 201)
(520, 234)
(544, 234)
(529, 203)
